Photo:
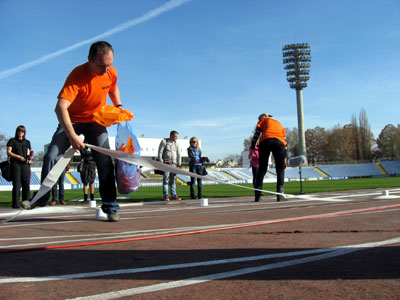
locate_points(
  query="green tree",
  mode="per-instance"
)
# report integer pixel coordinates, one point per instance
(3, 146)
(388, 142)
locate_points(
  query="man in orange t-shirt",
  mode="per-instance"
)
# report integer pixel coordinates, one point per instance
(85, 92)
(273, 139)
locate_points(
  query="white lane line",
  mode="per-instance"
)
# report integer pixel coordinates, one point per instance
(164, 231)
(341, 249)
(45, 210)
(166, 267)
(239, 272)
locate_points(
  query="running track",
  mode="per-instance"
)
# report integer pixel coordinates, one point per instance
(320, 246)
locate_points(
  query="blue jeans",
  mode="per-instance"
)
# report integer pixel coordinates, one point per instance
(97, 135)
(60, 186)
(169, 180)
(197, 169)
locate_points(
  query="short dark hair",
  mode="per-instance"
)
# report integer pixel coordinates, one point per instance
(20, 127)
(99, 46)
(173, 132)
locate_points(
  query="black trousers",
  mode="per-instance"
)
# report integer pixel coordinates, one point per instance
(254, 170)
(279, 152)
(21, 174)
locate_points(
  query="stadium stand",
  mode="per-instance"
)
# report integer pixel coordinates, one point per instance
(4, 182)
(306, 172)
(391, 167)
(35, 179)
(356, 170)
(239, 173)
(244, 175)
(77, 176)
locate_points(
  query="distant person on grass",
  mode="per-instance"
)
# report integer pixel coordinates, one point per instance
(254, 162)
(19, 152)
(84, 93)
(195, 166)
(272, 139)
(87, 169)
(59, 187)
(170, 153)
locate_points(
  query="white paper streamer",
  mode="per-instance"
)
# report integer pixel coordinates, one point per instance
(54, 174)
(62, 163)
(154, 164)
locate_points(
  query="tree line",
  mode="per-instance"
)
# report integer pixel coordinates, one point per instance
(351, 142)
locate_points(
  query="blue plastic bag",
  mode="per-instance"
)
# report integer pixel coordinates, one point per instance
(127, 175)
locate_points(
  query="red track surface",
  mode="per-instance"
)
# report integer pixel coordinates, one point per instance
(182, 241)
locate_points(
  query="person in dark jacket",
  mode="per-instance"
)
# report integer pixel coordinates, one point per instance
(87, 168)
(20, 153)
(195, 166)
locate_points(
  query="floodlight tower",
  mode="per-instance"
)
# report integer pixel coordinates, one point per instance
(296, 58)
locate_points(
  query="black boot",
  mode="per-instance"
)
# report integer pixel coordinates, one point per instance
(280, 189)
(257, 196)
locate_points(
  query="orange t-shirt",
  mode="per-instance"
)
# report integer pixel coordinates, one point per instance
(272, 129)
(87, 92)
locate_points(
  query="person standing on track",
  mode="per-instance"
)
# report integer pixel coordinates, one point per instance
(87, 169)
(272, 139)
(195, 166)
(59, 186)
(170, 153)
(19, 150)
(84, 93)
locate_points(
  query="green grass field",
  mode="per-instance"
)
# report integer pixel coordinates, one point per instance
(145, 194)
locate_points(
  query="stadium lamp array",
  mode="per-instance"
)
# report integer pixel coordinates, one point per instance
(297, 61)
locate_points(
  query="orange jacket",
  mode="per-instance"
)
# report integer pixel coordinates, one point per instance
(87, 92)
(271, 129)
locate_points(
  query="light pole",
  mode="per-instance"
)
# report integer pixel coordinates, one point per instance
(296, 58)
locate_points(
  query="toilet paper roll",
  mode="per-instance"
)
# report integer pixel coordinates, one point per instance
(203, 202)
(100, 215)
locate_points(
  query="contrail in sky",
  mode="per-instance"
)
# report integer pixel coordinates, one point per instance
(146, 17)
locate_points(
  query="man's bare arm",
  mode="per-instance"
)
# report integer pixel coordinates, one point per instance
(65, 121)
(115, 97)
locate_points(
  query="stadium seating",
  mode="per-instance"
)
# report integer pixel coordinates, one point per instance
(391, 167)
(242, 175)
(356, 170)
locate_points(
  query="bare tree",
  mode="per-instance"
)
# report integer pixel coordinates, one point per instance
(356, 137)
(292, 138)
(316, 141)
(232, 160)
(366, 136)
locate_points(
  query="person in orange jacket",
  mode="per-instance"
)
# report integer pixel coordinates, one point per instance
(272, 138)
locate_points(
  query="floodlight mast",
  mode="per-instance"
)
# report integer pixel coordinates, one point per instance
(296, 58)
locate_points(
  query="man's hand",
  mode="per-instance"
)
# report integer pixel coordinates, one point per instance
(76, 142)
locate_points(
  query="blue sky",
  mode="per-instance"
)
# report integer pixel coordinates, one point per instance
(205, 68)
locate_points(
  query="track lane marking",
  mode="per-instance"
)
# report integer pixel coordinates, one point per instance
(16, 248)
(218, 276)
